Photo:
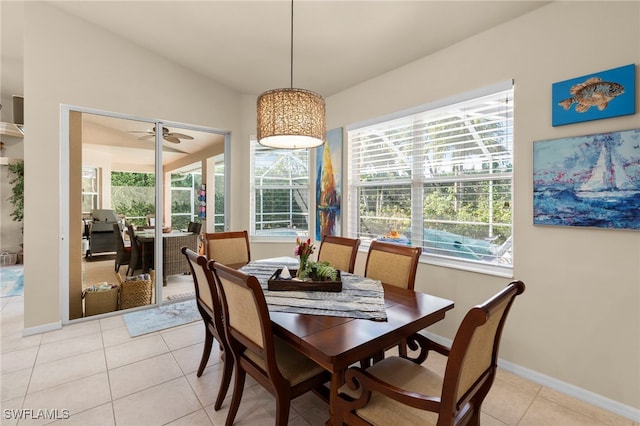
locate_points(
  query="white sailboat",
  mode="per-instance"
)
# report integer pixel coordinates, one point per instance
(608, 177)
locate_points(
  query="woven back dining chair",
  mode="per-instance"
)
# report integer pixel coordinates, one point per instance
(401, 391)
(228, 248)
(210, 309)
(340, 252)
(280, 369)
(393, 264)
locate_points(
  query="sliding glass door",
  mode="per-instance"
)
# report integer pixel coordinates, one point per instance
(136, 193)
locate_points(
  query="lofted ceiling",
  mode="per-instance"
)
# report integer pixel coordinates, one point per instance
(245, 45)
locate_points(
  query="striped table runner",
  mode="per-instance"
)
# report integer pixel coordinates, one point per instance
(360, 297)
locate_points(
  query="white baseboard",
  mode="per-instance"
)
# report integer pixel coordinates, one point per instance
(560, 386)
(41, 328)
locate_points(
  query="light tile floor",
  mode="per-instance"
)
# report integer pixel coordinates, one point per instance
(104, 377)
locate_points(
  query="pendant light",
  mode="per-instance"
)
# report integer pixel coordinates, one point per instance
(291, 118)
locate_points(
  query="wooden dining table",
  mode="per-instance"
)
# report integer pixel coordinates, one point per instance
(335, 343)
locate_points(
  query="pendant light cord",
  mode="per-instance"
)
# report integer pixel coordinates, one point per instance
(291, 44)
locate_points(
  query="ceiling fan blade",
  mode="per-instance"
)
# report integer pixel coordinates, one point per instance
(171, 139)
(145, 137)
(179, 135)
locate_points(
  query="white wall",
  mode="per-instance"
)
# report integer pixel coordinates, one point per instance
(70, 62)
(578, 321)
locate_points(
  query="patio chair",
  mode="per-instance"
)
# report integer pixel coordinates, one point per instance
(135, 258)
(123, 252)
(210, 309)
(270, 361)
(194, 227)
(340, 252)
(400, 391)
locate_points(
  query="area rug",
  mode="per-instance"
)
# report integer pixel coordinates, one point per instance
(161, 318)
(182, 295)
(12, 280)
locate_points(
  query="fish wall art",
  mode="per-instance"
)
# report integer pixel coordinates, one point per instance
(610, 93)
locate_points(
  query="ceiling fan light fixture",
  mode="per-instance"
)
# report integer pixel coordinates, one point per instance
(291, 118)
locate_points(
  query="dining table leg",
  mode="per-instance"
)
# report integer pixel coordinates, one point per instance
(337, 380)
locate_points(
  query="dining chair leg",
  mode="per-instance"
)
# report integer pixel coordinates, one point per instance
(227, 365)
(282, 411)
(206, 351)
(238, 387)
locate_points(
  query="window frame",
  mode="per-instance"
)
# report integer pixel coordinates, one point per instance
(95, 195)
(416, 182)
(253, 196)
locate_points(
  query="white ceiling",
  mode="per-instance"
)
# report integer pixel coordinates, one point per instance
(245, 45)
(337, 44)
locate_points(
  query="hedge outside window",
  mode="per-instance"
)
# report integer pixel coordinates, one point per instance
(280, 191)
(439, 177)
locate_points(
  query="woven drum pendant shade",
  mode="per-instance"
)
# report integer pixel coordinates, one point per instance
(291, 118)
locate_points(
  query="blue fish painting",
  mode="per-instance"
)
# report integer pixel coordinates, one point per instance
(610, 93)
(591, 181)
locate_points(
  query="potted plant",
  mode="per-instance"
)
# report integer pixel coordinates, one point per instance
(17, 196)
(17, 190)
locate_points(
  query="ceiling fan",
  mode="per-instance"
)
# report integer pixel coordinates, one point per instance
(167, 135)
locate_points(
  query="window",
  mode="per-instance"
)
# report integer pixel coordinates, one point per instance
(133, 195)
(185, 205)
(218, 209)
(280, 191)
(440, 177)
(90, 189)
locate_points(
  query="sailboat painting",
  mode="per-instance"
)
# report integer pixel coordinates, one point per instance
(591, 181)
(328, 185)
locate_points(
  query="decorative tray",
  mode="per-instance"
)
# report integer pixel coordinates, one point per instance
(276, 283)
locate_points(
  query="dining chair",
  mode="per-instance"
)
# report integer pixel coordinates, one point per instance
(401, 391)
(394, 264)
(270, 361)
(210, 309)
(123, 252)
(135, 258)
(228, 248)
(340, 252)
(151, 219)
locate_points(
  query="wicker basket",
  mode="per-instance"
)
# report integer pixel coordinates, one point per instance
(100, 302)
(7, 258)
(136, 292)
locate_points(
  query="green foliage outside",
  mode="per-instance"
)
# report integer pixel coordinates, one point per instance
(133, 195)
(282, 196)
(465, 207)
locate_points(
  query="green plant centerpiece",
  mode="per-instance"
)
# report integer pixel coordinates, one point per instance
(318, 271)
(309, 270)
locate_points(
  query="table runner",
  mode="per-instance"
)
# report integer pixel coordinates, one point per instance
(360, 297)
